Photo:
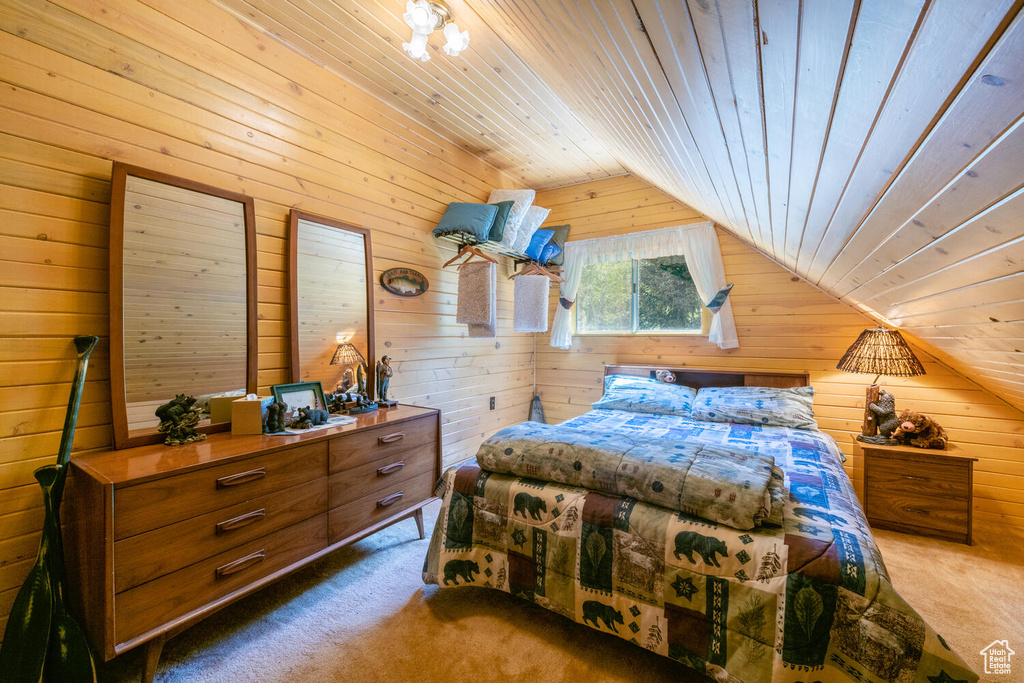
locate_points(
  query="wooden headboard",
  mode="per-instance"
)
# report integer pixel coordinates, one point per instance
(698, 378)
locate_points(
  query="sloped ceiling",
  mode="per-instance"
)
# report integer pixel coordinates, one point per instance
(874, 147)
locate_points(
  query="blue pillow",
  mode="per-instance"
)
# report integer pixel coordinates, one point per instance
(539, 240)
(765, 406)
(550, 252)
(645, 395)
(473, 219)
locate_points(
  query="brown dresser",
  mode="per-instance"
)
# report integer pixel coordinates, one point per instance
(919, 491)
(162, 536)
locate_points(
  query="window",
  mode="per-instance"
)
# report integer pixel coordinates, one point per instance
(639, 297)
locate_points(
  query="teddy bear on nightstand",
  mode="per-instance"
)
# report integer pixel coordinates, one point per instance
(921, 431)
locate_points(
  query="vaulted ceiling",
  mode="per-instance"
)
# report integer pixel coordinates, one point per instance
(874, 147)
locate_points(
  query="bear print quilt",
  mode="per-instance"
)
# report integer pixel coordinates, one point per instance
(725, 483)
(807, 601)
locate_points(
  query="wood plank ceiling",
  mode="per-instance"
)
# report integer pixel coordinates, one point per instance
(874, 147)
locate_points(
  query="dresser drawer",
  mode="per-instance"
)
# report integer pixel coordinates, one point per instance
(366, 511)
(165, 501)
(377, 475)
(144, 557)
(155, 603)
(372, 444)
(943, 514)
(917, 478)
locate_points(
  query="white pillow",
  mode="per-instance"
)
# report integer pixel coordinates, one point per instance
(535, 215)
(523, 199)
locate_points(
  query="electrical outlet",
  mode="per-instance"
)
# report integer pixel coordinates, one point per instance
(492, 403)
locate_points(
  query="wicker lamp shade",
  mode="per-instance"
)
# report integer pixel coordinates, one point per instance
(347, 354)
(881, 352)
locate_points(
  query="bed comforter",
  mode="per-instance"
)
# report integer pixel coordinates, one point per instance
(809, 601)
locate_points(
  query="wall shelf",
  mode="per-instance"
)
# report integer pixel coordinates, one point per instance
(463, 239)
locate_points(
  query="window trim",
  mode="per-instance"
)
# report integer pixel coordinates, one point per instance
(705, 318)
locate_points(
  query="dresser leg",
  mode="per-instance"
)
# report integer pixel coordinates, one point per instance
(153, 650)
(418, 515)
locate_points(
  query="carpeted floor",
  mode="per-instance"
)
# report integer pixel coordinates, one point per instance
(364, 615)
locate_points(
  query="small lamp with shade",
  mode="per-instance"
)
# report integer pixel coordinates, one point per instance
(346, 355)
(879, 351)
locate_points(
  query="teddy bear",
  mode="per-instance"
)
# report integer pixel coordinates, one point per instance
(919, 430)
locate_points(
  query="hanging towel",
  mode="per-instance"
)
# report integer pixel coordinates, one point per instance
(530, 313)
(477, 293)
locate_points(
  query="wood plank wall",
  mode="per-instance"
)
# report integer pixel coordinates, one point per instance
(784, 323)
(186, 89)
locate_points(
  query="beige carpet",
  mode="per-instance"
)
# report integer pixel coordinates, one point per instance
(364, 615)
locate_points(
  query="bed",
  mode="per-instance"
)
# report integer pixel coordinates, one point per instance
(796, 591)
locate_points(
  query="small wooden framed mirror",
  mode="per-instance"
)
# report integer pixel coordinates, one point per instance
(182, 298)
(331, 289)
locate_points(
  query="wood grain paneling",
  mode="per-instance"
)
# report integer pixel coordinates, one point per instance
(188, 89)
(784, 323)
(849, 140)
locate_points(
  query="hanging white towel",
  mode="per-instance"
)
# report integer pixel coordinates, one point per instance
(478, 283)
(530, 313)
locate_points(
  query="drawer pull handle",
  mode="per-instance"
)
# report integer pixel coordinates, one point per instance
(389, 500)
(241, 477)
(240, 521)
(918, 511)
(391, 438)
(912, 477)
(240, 564)
(390, 469)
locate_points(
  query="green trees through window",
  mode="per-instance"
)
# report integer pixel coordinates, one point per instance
(641, 296)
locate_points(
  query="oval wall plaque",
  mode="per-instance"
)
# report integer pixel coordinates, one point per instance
(404, 281)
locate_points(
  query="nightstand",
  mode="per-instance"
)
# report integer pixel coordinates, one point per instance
(919, 491)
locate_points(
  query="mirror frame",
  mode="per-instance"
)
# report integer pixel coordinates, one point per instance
(293, 287)
(118, 398)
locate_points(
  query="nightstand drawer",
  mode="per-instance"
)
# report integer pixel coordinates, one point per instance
(917, 478)
(356, 449)
(930, 512)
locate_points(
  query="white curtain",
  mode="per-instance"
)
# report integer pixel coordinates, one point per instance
(697, 242)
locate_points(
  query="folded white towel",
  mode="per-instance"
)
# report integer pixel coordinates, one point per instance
(530, 312)
(477, 293)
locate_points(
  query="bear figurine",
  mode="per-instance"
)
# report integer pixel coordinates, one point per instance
(920, 431)
(886, 418)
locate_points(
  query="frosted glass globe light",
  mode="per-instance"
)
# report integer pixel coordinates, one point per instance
(457, 42)
(420, 17)
(417, 46)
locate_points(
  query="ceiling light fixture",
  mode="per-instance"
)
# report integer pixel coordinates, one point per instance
(424, 17)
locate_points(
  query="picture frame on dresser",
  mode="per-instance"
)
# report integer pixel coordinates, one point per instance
(300, 395)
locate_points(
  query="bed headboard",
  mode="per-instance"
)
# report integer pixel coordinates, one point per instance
(698, 378)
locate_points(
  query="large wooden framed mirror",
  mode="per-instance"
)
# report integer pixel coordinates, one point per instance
(331, 282)
(182, 297)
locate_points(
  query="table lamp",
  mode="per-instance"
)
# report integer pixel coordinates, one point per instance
(879, 351)
(346, 355)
